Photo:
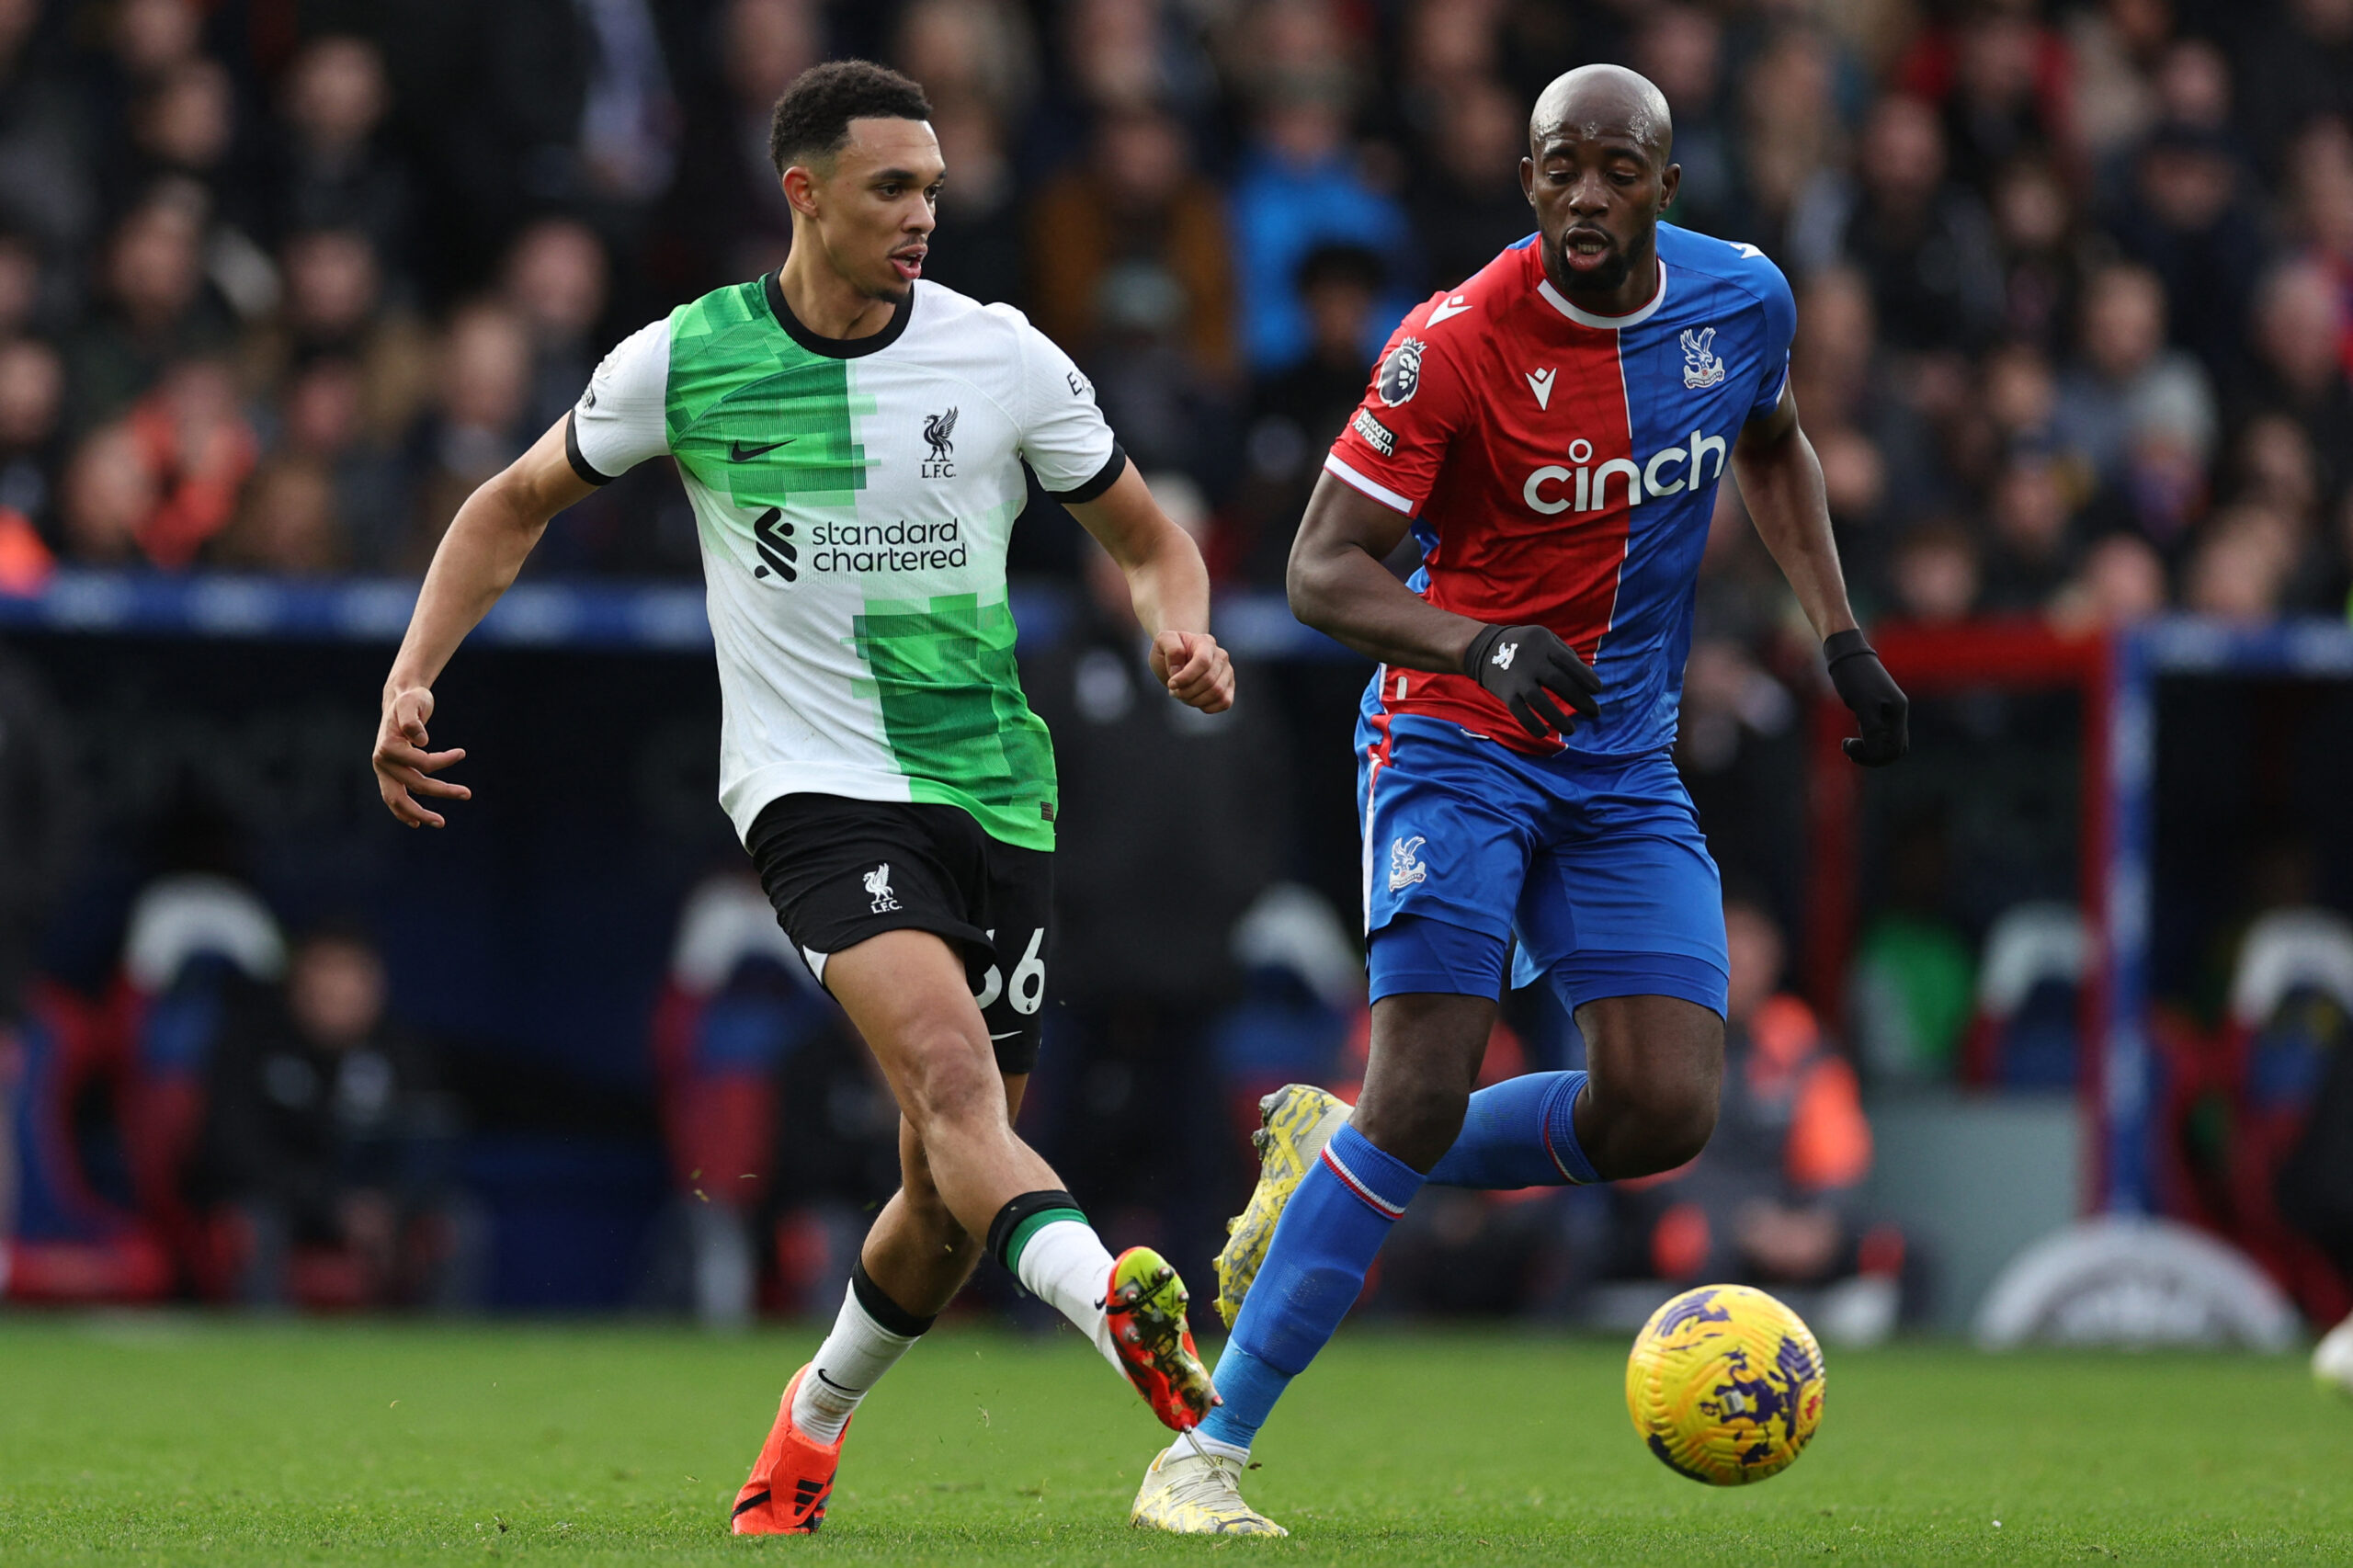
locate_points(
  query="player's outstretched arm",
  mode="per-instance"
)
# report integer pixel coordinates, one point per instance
(474, 564)
(1339, 586)
(1169, 587)
(1781, 481)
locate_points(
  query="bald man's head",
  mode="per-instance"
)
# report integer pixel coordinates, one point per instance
(1600, 172)
(1599, 99)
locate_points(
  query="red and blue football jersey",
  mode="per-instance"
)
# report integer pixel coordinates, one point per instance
(1561, 468)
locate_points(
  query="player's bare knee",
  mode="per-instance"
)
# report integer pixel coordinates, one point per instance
(1665, 1132)
(1416, 1122)
(947, 1084)
(1678, 1134)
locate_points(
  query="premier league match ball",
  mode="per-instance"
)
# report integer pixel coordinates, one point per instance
(1725, 1385)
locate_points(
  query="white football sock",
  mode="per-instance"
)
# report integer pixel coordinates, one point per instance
(851, 1361)
(1064, 1264)
(1183, 1448)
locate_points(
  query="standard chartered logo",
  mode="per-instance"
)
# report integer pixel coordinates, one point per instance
(1585, 487)
(905, 545)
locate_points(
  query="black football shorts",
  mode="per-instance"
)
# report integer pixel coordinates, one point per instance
(840, 870)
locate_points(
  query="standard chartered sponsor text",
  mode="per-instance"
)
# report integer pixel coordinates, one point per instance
(901, 546)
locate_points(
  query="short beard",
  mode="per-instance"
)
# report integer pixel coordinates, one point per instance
(1611, 275)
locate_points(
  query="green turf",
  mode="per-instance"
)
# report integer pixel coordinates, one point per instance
(149, 1440)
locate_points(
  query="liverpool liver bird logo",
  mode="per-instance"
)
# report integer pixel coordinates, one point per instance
(939, 429)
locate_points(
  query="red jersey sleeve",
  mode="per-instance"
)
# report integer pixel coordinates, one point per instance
(1396, 440)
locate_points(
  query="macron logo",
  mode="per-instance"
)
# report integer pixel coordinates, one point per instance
(1540, 384)
(1451, 306)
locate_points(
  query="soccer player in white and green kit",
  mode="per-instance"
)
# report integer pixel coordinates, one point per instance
(852, 439)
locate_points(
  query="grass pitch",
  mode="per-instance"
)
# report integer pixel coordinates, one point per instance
(189, 1441)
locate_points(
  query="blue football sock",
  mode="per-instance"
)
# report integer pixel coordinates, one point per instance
(1313, 1272)
(1522, 1132)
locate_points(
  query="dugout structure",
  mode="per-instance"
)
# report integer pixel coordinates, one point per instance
(2117, 676)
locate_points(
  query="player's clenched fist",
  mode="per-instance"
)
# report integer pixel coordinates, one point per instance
(1882, 710)
(1196, 670)
(1526, 667)
(404, 768)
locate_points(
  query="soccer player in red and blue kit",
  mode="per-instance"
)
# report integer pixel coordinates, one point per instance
(1552, 432)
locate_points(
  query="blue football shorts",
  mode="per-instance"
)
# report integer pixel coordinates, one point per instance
(1596, 866)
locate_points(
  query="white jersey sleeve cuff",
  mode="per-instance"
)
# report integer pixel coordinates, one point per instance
(1372, 487)
(619, 420)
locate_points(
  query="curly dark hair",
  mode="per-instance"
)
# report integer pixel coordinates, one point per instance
(813, 115)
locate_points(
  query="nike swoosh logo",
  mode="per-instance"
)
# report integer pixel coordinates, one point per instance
(1451, 306)
(1006, 1034)
(737, 452)
(831, 1384)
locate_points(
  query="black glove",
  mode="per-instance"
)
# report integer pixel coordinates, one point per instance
(1526, 667)
(1878, 704)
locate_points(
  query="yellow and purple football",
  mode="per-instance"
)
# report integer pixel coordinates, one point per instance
(1725, 1385)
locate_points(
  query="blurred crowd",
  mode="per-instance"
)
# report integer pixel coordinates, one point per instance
(280, 283)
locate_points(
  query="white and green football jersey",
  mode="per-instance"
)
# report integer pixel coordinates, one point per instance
(854, 498)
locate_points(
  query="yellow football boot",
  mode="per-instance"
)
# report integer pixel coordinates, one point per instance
(1300, 1118)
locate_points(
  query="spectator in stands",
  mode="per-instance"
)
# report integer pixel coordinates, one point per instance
(1773, 1198)
(335, 307)
(106, 498)
(150, 36)
(1843, 381)
(1467, 202)
(322, 422)
(1936, 574)
(157, 309)
(2022, 399)
(970, 53)
(47, 142)
(2035, 225)
(1789, 200)
(556, 281)
(1300, 185)
(2189, 219)
(2240, 567)
(327, 1126)
(1680, 47)
(727, 197)
(2127, 385)
(32, 397)
(1172, 414)
(978, 67)
(1296, 416)
(2005, 95)
(193, 437)
(2122, 581)
(2116, 46)
(286, 524)
(2033, 551)
(330, 166)
(1923, 242)
(2323, 211)
(185, 127)
(1137, 203)
(2297, 69)
(479, 429)
(2299, 370)
(2274, 462)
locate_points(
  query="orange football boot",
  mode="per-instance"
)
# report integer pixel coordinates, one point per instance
(792, 1477)
(1146, 1303)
